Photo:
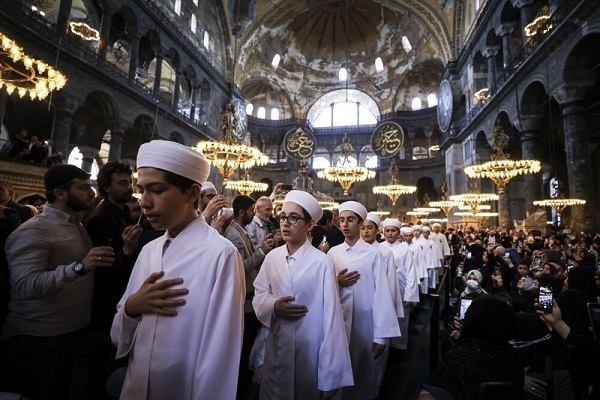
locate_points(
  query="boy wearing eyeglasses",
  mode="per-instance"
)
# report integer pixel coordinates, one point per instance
(296, 298)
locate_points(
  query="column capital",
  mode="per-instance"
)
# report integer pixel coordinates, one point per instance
(65, 104)
(572, 92)
(505, 29)
(529, 122)
(521, 3)
(491, 51)
(158, 52)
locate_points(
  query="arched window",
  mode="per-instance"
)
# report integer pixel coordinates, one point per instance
(406, 44)
(419, 153)
(378, 64)
(276, 60)
(432, 100)
(178, 7)
(341, 162)
(372, 161)
(206, 40)
(76, 159)
(261, 113)
(193, 23)
(343, 108)
(320, 162)
(343, 74)
(274, 114)
(249, 108)
(416, 103)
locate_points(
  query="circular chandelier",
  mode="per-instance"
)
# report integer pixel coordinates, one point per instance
(85, 31)
(246, 186)
(445, 204)
(227, 155)
(473, 198)
(415, 213)
(427, 210)
(380, 213)
(559, 204)
(480, 207)
(23, 73)
(501, 169)
(346, 174)
(394, 189)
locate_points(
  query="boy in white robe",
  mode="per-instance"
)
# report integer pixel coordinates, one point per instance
(418, 248)
(296, 298)
(369, 312)
(432, 263)
(181, 317)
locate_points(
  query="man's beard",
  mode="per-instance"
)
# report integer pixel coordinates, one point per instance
(77, 205)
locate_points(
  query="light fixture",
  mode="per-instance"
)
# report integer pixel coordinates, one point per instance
(445, 204)
(480, 207)
(227, 155)
(394, 189)
(473, 198)
(538, 25)
(417, 214)
(346, 174)
(85, 31)
(559, 204)
(23, 73)
(246, 185)
(482, 95)
(380, 213)
(501, 169)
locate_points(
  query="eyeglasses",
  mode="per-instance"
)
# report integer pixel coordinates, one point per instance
(292, 219)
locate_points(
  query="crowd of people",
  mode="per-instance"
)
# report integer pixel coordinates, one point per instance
(21, 146)
(199, 298)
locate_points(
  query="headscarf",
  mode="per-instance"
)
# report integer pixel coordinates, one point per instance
(489, 319)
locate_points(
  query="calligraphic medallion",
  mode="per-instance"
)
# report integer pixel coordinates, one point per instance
(299, 143)
(387, 139)
(445, 105)
(239, 132)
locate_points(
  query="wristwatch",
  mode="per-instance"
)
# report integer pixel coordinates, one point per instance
(78, 268)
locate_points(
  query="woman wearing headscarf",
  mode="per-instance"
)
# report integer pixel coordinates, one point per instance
(584, 278)
(482, 353)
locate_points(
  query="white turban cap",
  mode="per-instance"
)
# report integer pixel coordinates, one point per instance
(175, 158)
(208, 185)
(436, 224)
(391, 222)
(406, 230)
(226, 213)
(417, 228)
(306, 201)
(426, 229)
(374, 218)
(355, 207)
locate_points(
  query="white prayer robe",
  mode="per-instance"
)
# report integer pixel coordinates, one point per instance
(369, 314)
(310, 354)
(392, 276)
(441, 245)
(194, 355)
(417, 246)
(432, 263)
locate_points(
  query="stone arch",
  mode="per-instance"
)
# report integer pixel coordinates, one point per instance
(426, 186)
(176, 137)
(583, 60)
(94, 117)
(264, 93)
(530, 99)
(140, 132)
(422, 79)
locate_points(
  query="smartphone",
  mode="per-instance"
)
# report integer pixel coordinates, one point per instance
(463, 247)
(520, 243)
(469, 255)
(594, 313)
(545, 299)
(537, 261)
(507, 255)
(464, 305)
(569, 265)
(285, 186)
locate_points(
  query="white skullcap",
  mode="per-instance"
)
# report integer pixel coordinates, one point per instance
(391, 222)
(226, 213)
(406, 230)
(417, 228)
(306, 201)
(437, 225)
(374, 218)
(355, 207)
(426, 229)
(175, 158)
(208, 185)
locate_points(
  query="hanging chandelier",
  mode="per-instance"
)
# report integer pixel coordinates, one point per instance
(557, 201)
(85, 31)
(501, 169)
(394, 189)
(227, 154)
(480, 207)
(246, 185)
(22, 73)
(474, 198)
(538, 25)
(428, 210)
(415, 213)
(346, 174)
(445, 204)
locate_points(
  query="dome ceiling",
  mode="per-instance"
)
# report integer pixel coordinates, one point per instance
(315, 38)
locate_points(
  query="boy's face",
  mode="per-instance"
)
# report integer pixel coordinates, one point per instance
(391, 234)
(165, 205)
(294, 233)
(368, 231)
(350, 224)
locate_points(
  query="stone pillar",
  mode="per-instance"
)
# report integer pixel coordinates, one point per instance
(3, 99)
(104, 31)
(157, 72)
(133, 57)
(529, 150)
(524, 7)
(195, 90)
(64, 15)
(116, 145)
(504, 218)
(63, 121)
(176, 91)
(579, 170)
(88, 154)
(490, 54)
(504, 32)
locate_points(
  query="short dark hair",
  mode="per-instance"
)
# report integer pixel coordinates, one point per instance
(241, 203)
(327, 216)
(180, 182)
(106, 172)
(51, 197)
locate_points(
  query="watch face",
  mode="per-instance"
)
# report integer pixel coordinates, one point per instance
(240, 112)
(387, 139)
(78, 267)
(444, 108)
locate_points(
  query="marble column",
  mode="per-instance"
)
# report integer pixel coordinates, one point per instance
(116, 145)
(88, 153)
(504, 32)
(524, 7)
(176, 91)
(64, 15)
(490, 54)
(195, 90)
(104, 31)
(504, 217)
(530, 151)
(63, 122)
(579, 170)
(157, 72)
(133, 57)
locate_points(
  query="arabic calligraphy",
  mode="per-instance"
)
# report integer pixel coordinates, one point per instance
(387, 139)
(299, 145)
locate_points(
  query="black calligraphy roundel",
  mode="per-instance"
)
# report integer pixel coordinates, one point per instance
(299, 143)
(387, 139)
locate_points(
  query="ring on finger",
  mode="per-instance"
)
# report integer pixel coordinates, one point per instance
(99, 258)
